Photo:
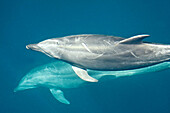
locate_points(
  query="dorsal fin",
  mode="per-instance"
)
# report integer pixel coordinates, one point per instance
(134, 40)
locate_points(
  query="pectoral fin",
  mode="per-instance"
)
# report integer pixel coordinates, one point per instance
(58, 94)
(83, 74)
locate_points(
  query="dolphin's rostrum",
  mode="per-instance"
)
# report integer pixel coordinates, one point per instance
(104, 53)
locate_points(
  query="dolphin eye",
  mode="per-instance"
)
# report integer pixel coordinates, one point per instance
(57, 42)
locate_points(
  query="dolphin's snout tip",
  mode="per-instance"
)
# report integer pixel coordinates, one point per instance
(32, 46)
(16, 89)
(27, 47)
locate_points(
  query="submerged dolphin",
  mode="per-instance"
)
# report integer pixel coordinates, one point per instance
(59, 75)
(102, 52)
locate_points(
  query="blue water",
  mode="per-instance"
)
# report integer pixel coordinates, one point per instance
(29, 21)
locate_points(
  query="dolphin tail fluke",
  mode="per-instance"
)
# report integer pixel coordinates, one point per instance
(58, 94)
(83, 74)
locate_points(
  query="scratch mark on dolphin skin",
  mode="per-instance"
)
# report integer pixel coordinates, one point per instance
(84, 45)
(134, 55)
(99, 56)
(110, 44)
(107, 42)
(115, 50)
(95, 57)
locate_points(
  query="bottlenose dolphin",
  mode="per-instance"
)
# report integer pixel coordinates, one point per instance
(102, 52)
(59, 75)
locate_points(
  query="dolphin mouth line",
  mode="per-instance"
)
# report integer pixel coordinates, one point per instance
(18, 88)
(37, 48)
(46, 53)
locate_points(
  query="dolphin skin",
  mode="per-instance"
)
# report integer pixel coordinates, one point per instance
(59, 75)
(104, 53)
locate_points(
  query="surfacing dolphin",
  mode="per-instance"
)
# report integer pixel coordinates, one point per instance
(102, 52)
(59, 75)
